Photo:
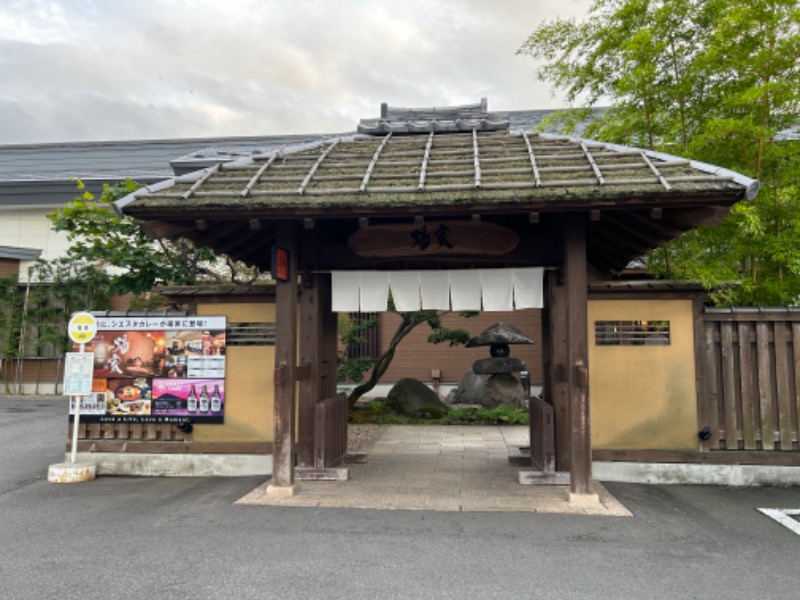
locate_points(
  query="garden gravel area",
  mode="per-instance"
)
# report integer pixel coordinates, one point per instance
(361, 436)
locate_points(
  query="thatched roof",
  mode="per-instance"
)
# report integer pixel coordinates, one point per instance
(368, 173)
(456, 164)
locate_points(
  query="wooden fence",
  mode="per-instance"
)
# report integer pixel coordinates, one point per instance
(33, 374)
(128, 432)
(749, 377)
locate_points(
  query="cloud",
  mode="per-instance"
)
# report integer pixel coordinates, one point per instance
(84, 69)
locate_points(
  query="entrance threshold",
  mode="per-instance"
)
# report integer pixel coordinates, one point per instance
(440, 468)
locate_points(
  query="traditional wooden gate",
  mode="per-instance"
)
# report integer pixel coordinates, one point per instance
(749, 365)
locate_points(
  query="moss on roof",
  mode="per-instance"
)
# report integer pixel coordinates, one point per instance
(458, 169)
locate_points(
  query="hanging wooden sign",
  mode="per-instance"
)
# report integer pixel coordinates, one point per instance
(280, 264)
(433, 238)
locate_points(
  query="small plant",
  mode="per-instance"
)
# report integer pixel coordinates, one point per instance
(382, 412)
(501, 415)
(432, 412)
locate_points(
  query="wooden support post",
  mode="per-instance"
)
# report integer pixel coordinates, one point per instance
(556, 381)
(309, 352)
(285, 359)
(329, 338)
(577, 348)
(547, 383)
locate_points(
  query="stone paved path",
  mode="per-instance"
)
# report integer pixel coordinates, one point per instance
(444, 468)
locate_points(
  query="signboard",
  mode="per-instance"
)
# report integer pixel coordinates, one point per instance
(82, 327)
(78, 373)
(433, 238)
(280, 264)
(156, 370)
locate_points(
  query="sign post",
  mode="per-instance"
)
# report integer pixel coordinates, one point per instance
(78, 370)
(81, 329)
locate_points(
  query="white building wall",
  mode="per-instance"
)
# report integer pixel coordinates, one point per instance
(30, 228)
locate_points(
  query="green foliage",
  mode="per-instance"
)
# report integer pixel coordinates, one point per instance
(380, 412)
(137, 263)
(713, 80)
(11, 310)
(34, 315)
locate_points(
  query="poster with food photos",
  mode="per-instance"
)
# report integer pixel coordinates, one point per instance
(157, 370)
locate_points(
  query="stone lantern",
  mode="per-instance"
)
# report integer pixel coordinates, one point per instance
(502, 388)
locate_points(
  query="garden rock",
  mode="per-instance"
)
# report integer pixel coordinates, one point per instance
(470, 389)
(503, 389)
(413, 397)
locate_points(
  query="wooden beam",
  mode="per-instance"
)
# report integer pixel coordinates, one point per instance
(710, 216)
(623, 243)
(285, 359)
(601, 263)
(309, 351)
(556, 385)
(329, 338)
(577, 351)
(222, 230)
(607, 253)
(703, 405)
(663, 228)
(623, 228)
(247, 240)
(162, 229)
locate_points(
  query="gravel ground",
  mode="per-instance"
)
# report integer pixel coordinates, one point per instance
(359, 437)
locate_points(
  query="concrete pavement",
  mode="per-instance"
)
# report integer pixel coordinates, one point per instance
(440, 468)
(182, 538)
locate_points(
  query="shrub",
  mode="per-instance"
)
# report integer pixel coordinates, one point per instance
(382, 412)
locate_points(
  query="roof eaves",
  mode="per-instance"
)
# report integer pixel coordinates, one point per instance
(645, 285)
(197, 175)
(742, 310)
(120, 204)
(751, 186)
(14, 253)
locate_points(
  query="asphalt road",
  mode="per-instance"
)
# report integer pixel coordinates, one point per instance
(183, 538)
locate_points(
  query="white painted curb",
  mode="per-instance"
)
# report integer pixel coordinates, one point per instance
(692, 474)
(179, 465)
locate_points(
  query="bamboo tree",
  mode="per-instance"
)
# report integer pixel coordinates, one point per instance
(10, 328)
(714, 80)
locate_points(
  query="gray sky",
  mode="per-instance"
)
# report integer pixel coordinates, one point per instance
(73, 70)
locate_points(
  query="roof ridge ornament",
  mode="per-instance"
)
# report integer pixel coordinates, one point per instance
(439, 119)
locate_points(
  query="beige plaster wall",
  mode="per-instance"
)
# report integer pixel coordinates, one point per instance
(249, 383)
(643, 397)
